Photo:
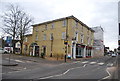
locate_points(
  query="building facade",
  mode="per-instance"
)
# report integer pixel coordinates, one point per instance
(98, 41)
(59, 37)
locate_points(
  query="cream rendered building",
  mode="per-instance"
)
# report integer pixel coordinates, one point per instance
(49, 38)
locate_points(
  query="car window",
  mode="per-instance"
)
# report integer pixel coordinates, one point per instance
(1, 48)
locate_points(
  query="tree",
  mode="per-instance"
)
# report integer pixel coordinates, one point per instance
(16, 23)
(24, 26)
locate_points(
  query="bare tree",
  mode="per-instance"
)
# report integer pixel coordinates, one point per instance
(16, 23)
(25, 22)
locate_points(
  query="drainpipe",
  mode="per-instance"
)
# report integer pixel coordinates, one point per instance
(66, 40)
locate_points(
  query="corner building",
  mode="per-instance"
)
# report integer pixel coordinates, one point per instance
(50, 37)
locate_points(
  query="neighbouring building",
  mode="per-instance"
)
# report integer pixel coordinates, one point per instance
(58, 37)
(98, 41)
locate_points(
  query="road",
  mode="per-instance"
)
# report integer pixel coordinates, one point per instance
(95, 68)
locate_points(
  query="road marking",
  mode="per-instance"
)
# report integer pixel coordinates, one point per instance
(19, 61)
(85, 62)
(76, 62)
(62, 73)
(101, 63)
(15, 71)
(15, 60)
(92, 62)
(84, 65)
(109, 75)
(110, 64)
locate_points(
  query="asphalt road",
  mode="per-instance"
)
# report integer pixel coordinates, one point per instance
(95, 68)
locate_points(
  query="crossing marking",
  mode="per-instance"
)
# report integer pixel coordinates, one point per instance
(92, 62)
(85, 62)
(101, 63)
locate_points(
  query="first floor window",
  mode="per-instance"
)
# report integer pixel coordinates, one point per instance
(63, 35)
(51, 36)
(36, 37)
(44, 36)
(64, 22)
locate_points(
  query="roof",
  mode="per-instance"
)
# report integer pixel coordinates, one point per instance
(28, 35)
(69, 17)
(98, 27)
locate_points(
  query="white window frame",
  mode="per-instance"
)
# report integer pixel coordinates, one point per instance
(51, 35)
(52, 25)
(26, 39)
(63, 35)
(82, 38)
(36, 37)
(64, 22)
(76, 24)
(44, 36)
(46, 27)
(76, 36)
(88, 40)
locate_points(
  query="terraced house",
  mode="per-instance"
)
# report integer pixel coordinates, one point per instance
(58, 37)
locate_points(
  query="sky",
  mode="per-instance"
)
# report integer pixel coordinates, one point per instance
(93, 13)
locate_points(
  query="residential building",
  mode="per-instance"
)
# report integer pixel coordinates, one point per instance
(59, 37)
(98, 41)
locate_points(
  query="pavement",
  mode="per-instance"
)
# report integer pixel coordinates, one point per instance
(38, 69)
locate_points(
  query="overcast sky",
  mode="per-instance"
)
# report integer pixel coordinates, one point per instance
(102, 13)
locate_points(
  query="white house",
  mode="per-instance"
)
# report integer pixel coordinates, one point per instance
(98, 41)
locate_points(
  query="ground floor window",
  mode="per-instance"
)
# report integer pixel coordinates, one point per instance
(79, 51)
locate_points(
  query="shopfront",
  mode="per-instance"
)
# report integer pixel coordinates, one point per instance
(80, 50)
(89, 51)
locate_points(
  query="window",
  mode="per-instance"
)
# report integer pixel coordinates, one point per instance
(82, 28)
(26, 39)
(36, 37)
(44, 36)
(82, 38)
(63, 35)
(46, 27)
(76, 24)
(64, 22)
(76, 36)
(88, 39)
(52, 25)
(36, 29)
(91, 41)
(51, 36)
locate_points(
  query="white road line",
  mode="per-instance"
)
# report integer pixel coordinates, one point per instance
(85, 62)
(101, 63)
(92, 62)
(109, 75)
(76, 62)
(16, 60)
(110, 64)
(62, 73)
(19, 61)
(84, 65)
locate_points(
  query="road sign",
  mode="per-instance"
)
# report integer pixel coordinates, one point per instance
(9, 40)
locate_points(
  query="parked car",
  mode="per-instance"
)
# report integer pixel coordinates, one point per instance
(1, 50)
(114, 55)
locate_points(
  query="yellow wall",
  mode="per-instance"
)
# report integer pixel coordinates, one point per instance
(58, 42)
